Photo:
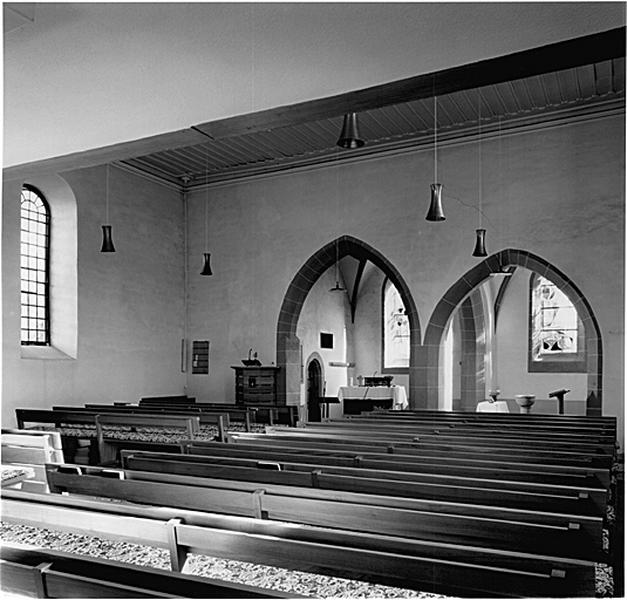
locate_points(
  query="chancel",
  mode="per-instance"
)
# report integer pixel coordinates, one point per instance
(319, 300)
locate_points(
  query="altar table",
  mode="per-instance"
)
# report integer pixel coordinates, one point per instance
(358, 399)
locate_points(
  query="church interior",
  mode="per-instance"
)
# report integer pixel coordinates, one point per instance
(313, 300)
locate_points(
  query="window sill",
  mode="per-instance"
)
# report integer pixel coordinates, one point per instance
(43, 353)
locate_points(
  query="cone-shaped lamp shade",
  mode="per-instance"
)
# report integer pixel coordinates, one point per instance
(480, 244)
(349, 138)
(337, 288)
(435, 208)
(107, 242)
(206, 270)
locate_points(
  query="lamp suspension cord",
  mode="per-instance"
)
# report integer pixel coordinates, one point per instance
(435, 137)
(480, 164)
(206, 198)
(107, 195)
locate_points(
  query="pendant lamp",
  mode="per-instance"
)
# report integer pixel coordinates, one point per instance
(479, 249)
(480, 243)
(337, 287)
(107, 240)
(435, 212)
(206, 269)
(350, 138)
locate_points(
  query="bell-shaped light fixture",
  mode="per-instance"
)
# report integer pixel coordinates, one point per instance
(435, 208)
(435, 212)
(350, 138)
(107, 241)
(206, 270)
(480, 244)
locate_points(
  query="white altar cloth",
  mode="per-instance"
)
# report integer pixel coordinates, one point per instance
(498, 406)
(396, 393)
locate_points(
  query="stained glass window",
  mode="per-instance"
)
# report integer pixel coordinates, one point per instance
(554, 319)
(34, 256)
(395, 329)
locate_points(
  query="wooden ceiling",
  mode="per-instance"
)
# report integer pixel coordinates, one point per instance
(548, 84)
(577, 78)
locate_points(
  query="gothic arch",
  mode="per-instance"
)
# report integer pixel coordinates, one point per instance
(470, 280)
(287, 342)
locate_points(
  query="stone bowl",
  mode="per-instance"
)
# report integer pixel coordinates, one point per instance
(525, 401)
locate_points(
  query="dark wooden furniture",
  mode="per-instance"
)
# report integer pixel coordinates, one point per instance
(256, 385)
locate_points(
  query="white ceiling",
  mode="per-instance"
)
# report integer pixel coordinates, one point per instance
(79, 76)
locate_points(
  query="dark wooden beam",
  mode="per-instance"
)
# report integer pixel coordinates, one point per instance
(106, 154)
(358, 275)
(545, 59)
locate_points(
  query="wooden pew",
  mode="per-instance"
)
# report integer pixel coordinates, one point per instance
(31, 449)
(220, 419)
(441, 567)
(606, 422)
(566, 540)
(442, 445)
(243, 415)
(108, 445)
(166, 400)
(53, 574)
(521, 495)
(84, 417)
(158, 470)
(450, 436)
(488, 468)
(535, 430)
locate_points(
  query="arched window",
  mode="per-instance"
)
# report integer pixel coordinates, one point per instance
(395, 330)
(555, 329)
(34, 268)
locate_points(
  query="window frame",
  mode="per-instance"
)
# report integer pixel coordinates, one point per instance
(384, 369)
(47, 330)
(570, 362)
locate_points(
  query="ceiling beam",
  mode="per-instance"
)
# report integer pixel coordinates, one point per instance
(106, 154)
(527, 63)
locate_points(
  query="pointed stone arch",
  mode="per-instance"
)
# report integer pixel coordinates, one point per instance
(287, 343)
(428, 393)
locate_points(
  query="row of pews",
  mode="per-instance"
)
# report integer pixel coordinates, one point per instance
(103, 426)
(463, 504)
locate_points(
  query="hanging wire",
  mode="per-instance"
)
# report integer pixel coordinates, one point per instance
(480, 165)
(435, 137)
(107, 195)
(206, 199)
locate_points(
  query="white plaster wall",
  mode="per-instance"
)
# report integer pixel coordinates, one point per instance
(512, 340)
(328, 312)
(557, 193)
(367, 328)
(130, 303)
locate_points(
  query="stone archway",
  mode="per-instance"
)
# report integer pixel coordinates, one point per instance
(429, 353)
(287, 343)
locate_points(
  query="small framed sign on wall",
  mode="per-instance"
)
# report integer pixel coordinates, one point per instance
(326, 340)
(200, 357)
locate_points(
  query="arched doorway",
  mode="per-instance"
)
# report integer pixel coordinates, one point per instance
(460, 290)
(314, 390)
(288, 343)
